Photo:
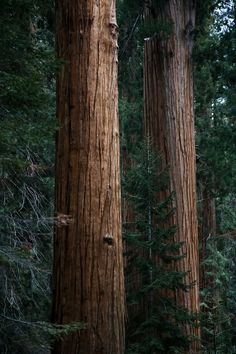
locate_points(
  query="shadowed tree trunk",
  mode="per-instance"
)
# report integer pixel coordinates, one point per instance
(207, 230)
(88, 269)
(169, 121)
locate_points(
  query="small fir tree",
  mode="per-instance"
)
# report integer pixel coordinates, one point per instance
(154, 318)
(218, 299)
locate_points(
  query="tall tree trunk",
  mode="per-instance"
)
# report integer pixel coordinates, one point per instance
(169, 121)
(88, 269)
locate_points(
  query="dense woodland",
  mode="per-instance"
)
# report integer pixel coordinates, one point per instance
(118, 176)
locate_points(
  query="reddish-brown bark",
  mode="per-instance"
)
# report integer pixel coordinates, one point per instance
(169, 121)
(88, 269)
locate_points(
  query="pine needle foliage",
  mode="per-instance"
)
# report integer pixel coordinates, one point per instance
(219, 298)
(27, 129)
(214, 60)
(151, 279)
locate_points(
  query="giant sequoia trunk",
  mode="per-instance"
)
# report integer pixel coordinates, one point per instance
(169, 121)
(88, 270)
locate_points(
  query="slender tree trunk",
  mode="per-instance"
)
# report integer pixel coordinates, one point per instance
(169, 121)
(88, 269)
(208, 229)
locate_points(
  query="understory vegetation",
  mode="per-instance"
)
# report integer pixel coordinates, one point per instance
(28, 126)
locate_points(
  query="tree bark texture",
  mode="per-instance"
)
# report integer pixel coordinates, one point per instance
(88, 266)
(169, 121)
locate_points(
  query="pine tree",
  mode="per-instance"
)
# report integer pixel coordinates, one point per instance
(218, 298)
(216, 156)
(155, 321)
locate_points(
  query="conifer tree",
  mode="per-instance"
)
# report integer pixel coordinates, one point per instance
(216, 156)
(155, 320)
(168, 119)
(27, 128)
(88, 265)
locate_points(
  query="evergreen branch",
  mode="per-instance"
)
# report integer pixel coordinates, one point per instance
(131, 33)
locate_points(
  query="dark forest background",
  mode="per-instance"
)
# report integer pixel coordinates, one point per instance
(27, 157)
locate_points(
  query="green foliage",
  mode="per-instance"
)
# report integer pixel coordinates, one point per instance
(226, 214)
(132, 32)
(38, 330)
(155, 27)
(214, 59)
(154, 318)
(214, 68)
(27, 129)
(130, 74)
(219, 298)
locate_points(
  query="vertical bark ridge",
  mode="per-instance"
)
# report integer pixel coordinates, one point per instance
(88, 269)
(169, 121)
